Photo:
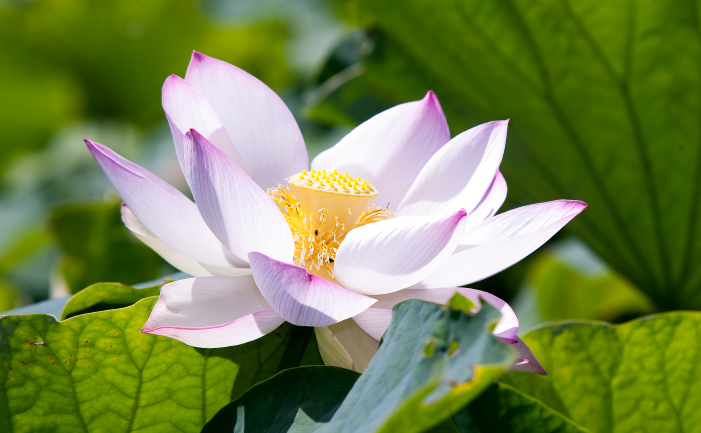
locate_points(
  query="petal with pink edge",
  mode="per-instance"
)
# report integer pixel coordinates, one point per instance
(177, 260)
(163, 210)
(390, 149)
(234, 207)
(186, 108)
(393, 254)
(301, 298)
(212, 312)
(459, 174)
(490, 203)
(346, 338)
(259, 124)
(502, 241)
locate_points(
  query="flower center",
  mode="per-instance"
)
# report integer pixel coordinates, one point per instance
(321, 208)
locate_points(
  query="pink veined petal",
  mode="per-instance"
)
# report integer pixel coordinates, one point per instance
(501, 241)
(212, 312)
(163, 210)
(186, 108)
(390, 255)
(301, 298)
(177, 260)
(490, 204)
(234, 207)
(259, 124)
(459, 174)
(390, 149)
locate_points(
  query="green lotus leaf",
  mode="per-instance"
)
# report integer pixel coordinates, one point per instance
(638, 376)
(98, 373)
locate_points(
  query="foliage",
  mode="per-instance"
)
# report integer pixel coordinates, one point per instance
(98, 372)
(604, 102)
(106, 296)
(638, 376)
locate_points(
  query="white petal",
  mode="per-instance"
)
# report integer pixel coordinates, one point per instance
(301, 298)
(358, 344)
(212, 312)
(177, 260)
(186, 108)
(490, 204)
(331, 350)
(459, 174)
(234, 207)
(390, 255)
(260, 125)
(390, 149)
(163, 210)
(501, 241)
(375, 321)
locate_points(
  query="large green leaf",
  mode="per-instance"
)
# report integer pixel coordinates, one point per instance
(432, 361)
(502, 408)
(98, 372)
(639, 376)
(97, 247)
(604, 99)
(295, 400)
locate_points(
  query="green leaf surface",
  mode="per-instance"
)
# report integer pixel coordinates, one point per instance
(564, 293)
(635, 377)
(97, 247)
(295, 400)
(604, 100)
(415, 381)
(106, 296)
(502, 408)
(98, 373)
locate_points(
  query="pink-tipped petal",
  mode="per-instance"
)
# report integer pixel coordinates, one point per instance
(163, 210)
(490, 204)
(259, 124)
(212, 312)
(301, 298)
(393, 254)
(502, 241)
(234, 207)
(526, 361)
(459, 174)
(390, 149)
(186, 108)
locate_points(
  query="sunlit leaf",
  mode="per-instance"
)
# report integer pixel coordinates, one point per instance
(638, 376)
(98, 372)
(603, 99)
(106, 296)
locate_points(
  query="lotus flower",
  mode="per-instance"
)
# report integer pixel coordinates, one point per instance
(396, 210)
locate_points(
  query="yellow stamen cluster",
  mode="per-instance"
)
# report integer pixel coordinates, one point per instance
(333, 181)
(318, 234)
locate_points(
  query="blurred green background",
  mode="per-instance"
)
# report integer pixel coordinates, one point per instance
(604, 100)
